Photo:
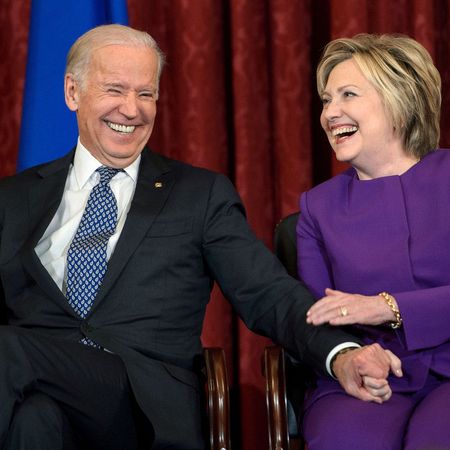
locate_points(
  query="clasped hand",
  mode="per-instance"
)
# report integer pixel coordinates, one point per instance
(361, 372)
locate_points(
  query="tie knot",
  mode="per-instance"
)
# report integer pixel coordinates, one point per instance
(106, 174)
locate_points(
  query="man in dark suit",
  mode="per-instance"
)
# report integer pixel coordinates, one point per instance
(106, 273)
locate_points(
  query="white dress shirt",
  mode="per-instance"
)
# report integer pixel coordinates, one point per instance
(53, 246)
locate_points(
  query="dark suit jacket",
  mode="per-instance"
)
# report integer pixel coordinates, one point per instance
(179, 236)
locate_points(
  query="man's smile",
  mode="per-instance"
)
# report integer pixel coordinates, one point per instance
(121, 128)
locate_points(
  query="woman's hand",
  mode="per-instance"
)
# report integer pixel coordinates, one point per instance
(341, 308)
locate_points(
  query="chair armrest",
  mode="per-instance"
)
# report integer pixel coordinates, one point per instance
(276, 402)
(217, 394)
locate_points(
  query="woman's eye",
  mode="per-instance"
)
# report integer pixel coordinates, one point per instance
(349, 94)
(325, 100)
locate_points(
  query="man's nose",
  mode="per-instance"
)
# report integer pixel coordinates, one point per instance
(129, 106)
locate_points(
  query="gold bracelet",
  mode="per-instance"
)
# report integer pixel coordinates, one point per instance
(390, 302)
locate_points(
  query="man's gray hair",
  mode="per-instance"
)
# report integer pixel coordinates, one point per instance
(79, 55)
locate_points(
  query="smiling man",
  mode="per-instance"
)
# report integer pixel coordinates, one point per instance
(107, 259)
(115, 106)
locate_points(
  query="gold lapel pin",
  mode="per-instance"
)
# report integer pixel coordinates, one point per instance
(158, 184)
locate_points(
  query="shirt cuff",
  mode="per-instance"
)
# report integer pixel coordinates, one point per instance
(334, 351)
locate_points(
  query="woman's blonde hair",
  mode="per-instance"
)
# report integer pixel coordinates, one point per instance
(403, 73)
(80, 53)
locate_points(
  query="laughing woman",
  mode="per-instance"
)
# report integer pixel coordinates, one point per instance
(374, 242)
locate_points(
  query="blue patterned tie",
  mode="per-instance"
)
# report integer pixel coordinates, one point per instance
(86, 258)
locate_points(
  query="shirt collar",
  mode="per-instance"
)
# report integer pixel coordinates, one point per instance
(84, 165)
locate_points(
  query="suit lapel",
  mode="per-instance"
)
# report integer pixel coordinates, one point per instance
(45, 197)
(155, 181)
(43, 201)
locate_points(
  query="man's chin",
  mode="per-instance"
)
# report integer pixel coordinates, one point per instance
(120, 157)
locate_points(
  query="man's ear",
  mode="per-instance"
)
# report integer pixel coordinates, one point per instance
(71, 92)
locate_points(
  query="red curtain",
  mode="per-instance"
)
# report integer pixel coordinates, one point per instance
(238, 96)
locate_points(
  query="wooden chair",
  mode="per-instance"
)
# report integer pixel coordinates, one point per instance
(217, 399)
(285, 380)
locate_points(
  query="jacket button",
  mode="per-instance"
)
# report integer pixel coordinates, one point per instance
(86, 327)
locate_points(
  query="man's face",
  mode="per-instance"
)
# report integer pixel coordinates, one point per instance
(116, 106)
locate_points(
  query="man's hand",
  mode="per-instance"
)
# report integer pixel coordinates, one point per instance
(363, 372)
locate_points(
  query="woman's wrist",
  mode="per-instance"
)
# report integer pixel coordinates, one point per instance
(396, 322)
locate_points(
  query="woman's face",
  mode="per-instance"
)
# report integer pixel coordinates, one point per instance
(356, 122)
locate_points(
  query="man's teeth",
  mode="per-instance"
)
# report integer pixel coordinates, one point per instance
(121, 128)
(344, 130)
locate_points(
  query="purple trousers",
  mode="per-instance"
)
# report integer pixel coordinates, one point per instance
(412, 421)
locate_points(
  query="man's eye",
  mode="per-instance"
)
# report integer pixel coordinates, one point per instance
(148, 94)
(114, 91)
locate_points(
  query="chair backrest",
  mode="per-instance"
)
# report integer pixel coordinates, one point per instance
(285, 378)
(285, 243)
(218, 399)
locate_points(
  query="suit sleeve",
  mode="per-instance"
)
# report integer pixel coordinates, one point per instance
(314, 267)
(269, 301)
(3, 318)
(425, 314)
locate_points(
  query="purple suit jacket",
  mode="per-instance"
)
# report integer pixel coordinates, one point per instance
(389, 234)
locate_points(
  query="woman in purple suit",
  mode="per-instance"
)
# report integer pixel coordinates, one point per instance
(374, 243)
